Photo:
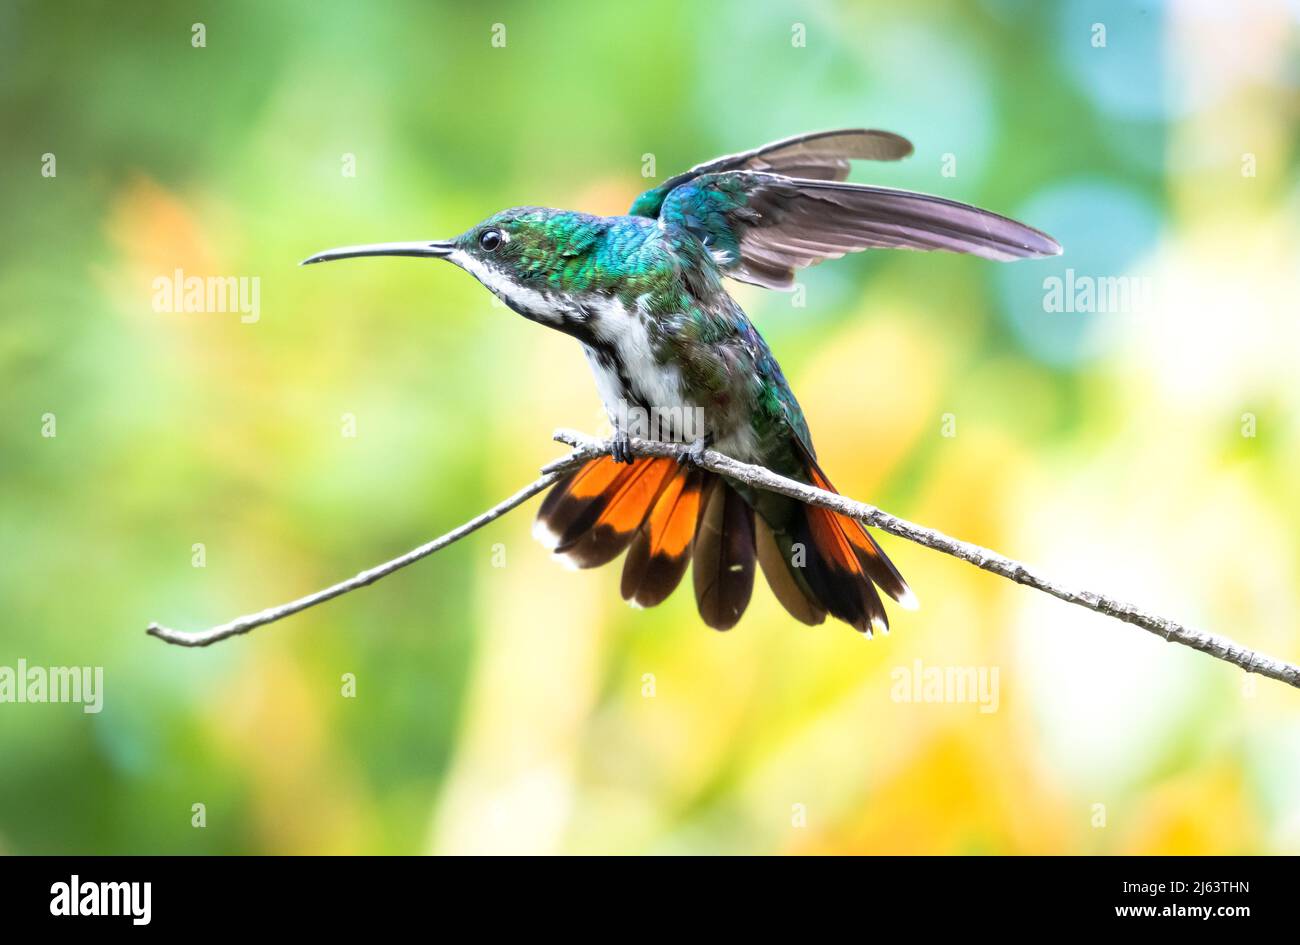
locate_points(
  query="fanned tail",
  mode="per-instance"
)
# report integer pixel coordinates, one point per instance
(723, 561)
(836, 565)
(661, 549)
(785, 575)
(590, 517)
(667, 516)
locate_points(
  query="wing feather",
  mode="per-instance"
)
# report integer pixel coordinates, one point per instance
(816, 155)
(769, 225)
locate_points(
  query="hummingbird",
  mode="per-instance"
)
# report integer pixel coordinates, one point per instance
(645, 294)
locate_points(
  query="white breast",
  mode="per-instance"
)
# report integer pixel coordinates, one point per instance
(608, 385)
(626, 332)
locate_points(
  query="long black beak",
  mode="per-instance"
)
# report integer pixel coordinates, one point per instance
(438, 249)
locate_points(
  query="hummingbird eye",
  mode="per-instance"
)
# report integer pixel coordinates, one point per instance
(489, 240)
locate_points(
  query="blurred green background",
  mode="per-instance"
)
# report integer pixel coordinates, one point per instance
(1149, 452)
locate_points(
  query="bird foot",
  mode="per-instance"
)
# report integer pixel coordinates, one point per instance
(620, 448)
(695, 455)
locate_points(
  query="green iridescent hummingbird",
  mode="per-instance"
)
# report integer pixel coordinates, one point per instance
(645, 295)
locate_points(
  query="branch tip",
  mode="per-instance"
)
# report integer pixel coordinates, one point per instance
(586, 448)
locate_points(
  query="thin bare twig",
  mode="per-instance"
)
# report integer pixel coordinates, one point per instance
(550, 474)
(586, 447)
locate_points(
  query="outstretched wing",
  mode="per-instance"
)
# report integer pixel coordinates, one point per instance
(762, 227)
(818, 155)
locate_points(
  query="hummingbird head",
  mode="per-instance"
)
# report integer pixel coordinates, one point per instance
(529, 257)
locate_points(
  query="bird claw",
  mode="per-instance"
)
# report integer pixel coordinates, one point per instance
(695, 455)
(620, 448)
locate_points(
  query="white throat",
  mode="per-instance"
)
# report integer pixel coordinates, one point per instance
(534, 304)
